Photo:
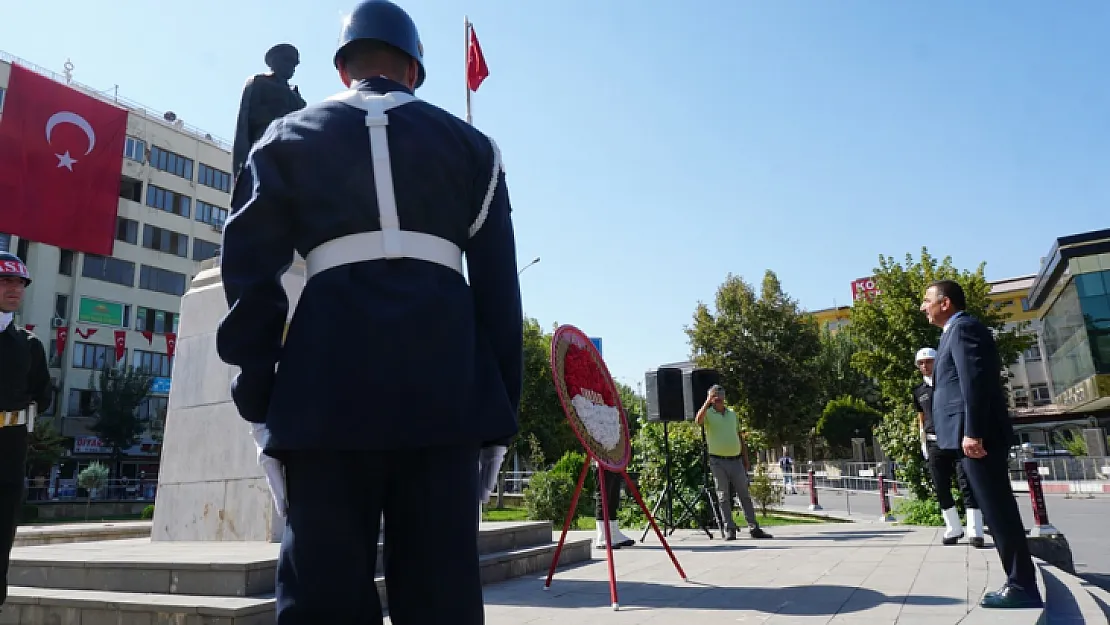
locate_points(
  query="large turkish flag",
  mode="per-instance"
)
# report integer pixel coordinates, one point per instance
(61, 157)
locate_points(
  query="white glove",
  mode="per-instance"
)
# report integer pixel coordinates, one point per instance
(275, 473)
(489, 464)
(925, 450)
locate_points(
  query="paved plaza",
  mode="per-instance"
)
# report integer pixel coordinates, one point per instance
(864, 574)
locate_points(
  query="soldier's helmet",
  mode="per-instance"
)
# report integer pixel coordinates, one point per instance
(381, 20)
(12, 266)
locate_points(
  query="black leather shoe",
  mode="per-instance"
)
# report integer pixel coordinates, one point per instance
(731, 534)
(759, 533)
(1010, 596)
(952, 541)
(978, 543)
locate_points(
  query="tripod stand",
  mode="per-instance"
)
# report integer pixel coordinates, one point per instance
(670, 493)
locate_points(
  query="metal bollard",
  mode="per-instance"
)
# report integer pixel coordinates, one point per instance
(884, 502)
(1041, 525)
(813, 505)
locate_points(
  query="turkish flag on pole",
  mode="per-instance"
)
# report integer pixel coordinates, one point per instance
(171, 343)
(61, 154)
(476, 68)
(60, 336)
(121, 344)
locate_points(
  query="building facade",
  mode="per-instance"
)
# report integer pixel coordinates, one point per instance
(175, 185)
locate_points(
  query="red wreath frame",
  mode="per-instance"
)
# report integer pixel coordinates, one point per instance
(573, 336)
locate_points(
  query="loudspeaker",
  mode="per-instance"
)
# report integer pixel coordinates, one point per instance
(664, 394)
(695, 388)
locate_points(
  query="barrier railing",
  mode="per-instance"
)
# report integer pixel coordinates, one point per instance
(122, 489)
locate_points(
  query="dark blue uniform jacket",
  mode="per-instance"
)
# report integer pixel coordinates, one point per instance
(382, 354)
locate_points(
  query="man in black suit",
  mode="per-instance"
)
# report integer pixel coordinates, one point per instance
(970, 414)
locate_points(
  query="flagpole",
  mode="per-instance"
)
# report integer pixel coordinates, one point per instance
(466, 65)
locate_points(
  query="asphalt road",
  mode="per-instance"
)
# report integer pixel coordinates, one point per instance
(1085, 523)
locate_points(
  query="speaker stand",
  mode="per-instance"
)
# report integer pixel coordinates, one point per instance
(669, 494)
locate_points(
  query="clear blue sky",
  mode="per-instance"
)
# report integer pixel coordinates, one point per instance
(652, 149)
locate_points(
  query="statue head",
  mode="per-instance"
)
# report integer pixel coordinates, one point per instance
(283, 59)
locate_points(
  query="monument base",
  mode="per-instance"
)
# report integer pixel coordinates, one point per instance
(210, 487)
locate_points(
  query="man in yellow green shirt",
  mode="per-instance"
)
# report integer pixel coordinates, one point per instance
(728, 460)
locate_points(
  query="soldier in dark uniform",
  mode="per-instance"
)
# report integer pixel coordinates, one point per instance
(944, 463)
(24, 391)
(395, 370)
(266, 97)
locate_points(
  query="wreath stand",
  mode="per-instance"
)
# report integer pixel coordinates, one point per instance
(560, 341)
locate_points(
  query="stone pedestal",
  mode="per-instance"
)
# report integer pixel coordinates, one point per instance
(210, 487)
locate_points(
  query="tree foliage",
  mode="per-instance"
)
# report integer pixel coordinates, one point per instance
(119, 394)
(767, 351)
(890, 328)
(839, 377)
(45, 446)
(846, 418)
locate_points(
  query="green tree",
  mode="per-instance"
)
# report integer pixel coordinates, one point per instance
(45, 446)
(846, 418)
(767, 351)
(839, 377)
(119, 394)
(541, 414)
(890, 328)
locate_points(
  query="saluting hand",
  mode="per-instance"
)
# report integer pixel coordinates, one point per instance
(973, 448)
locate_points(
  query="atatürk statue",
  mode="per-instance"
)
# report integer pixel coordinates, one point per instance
(266, 97)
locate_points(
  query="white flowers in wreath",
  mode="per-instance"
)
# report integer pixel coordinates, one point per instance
(602, 422)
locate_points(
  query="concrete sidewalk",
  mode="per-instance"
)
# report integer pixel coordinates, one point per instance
(835, 573)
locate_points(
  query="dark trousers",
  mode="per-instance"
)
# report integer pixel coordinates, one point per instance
(612, 485)
(943, 464)
(328, 559)
(13, 457)
(990, 478)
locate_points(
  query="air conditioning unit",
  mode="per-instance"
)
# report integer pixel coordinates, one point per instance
(57, 322)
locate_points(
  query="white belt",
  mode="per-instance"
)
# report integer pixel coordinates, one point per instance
(930, 437)
(21, 417)
(391, 241)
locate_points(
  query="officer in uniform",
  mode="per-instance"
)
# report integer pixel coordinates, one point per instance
(24, 391)
(944, 463)
(395, 370)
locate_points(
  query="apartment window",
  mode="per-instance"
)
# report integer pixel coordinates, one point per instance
(5, 239)
(171, 163)
(82, 402)
(215, 178)
(135, 149)
(61, 305)
(161, 280)
(153, 409)
(1025, 304)
(203, 250)
(1033, 354)
(162, 240)
(164, 199)
(53, 358)
(127, 230)
(109, 269)
(65, 263)
(1040, 394)
(211, 215)
(157, 321)
(92, 356)
(156, 363)
(1021, 397)
(131, 189)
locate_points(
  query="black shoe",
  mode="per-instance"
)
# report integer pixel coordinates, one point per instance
(1010, 596)
(978, 543)
(952, 541)
(731, 534)
(759, 533)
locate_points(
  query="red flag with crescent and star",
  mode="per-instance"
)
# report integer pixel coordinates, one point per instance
(476, 68)
(61, 156)
(121, 344)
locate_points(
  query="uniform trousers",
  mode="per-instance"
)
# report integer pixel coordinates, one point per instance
(732, 480)
(990, 478)
(329, 549)
(943, 463)
(13, 457)
(612, 485)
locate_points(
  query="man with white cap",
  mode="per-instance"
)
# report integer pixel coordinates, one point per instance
(944, 462)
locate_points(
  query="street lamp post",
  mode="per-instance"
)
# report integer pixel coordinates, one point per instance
(534, 261)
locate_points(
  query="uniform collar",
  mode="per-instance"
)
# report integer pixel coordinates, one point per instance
(380, 84)
(6, 321)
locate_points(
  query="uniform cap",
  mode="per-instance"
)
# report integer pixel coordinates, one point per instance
(381, 20)
(925, 353)
(12, 265)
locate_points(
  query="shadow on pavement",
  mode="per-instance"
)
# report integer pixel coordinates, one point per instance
(815, 600)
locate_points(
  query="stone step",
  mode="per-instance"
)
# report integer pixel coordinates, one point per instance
(30, 535)
(1066, 599)
(224, 569)
(34, 606)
